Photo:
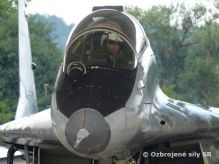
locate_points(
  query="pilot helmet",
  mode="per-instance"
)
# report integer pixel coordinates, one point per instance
(114, 43)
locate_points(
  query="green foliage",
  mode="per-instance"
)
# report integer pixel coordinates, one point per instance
(170, 91)
(201, 73)
(8, 59)
(186, 46)
(5, 8)
(45, 54)
(60, 29)
(5, 112)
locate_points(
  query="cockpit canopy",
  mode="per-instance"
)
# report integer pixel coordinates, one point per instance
(101, 48)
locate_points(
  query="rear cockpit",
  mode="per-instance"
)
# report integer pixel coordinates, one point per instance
(102, 48)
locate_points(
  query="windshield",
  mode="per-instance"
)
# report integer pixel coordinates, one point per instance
(105, 48)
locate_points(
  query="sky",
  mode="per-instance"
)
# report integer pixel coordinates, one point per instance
(73, 11)
(3, 152)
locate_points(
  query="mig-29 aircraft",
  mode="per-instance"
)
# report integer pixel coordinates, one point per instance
(107, 106)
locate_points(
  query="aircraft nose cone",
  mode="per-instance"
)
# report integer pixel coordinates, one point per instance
(87, 131)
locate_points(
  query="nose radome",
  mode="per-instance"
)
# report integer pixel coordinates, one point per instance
(87, 131)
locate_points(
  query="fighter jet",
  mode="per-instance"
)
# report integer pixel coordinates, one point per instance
(107, 106)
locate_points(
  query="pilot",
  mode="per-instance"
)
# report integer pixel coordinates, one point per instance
(114, 49)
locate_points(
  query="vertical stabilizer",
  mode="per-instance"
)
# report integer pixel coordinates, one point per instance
(27, 104)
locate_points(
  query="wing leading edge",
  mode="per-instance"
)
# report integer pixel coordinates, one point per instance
(36, 129)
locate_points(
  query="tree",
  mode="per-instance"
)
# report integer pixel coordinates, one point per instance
(185, 45)
(200, 77)
(60, 30)
(45, 54)
(8, 57)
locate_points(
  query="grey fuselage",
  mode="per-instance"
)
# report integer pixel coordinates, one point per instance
(107, 100)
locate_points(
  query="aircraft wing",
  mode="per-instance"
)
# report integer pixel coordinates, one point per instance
(36, 128)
